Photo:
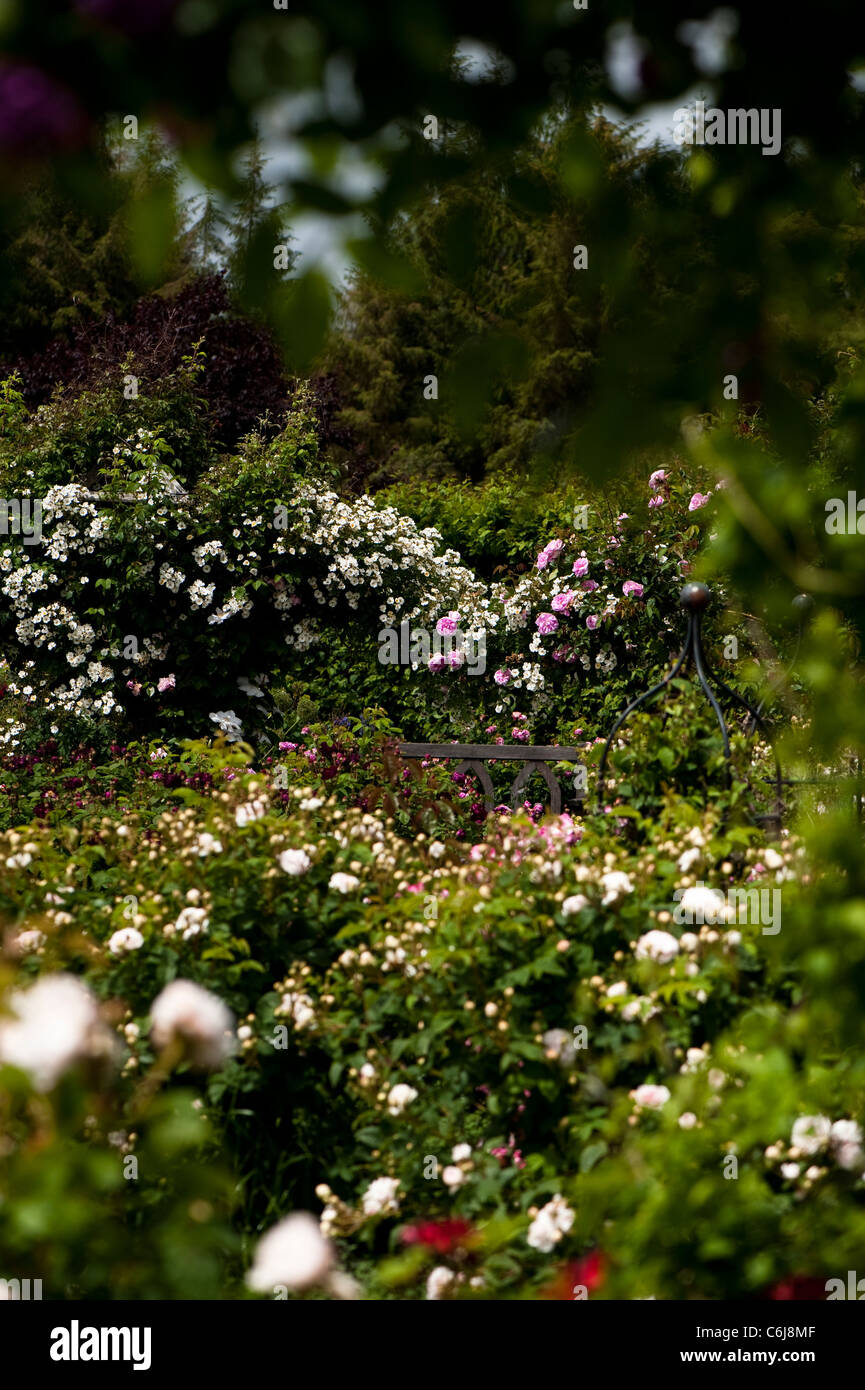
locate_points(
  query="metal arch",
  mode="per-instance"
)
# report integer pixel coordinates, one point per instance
(695, 598)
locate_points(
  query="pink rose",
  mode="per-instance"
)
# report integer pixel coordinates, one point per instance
(592, 621)
(631, 588)
(455, 660)
(659, 476)
(657, 501)
(699, 500)
(502, 676)
(436, 663)
(546, 623)
(561, 603)
(581, 567)
(448, 624)
(165, 683)
(544, 559)
(589, 586)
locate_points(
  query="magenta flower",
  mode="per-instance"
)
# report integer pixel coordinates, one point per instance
(631, 589)
(589, 586)
(546, 623)
(521, 735)
(581, 566)
(448, 624)
(561, 603)
(592, 621)
(455, 660)
(502, 676)
(659, 476)
(553, 547)
(544, 559)
(657, 501)
(699, 500)
(436, 663)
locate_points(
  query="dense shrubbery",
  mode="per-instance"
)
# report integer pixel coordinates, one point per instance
(407, 1047)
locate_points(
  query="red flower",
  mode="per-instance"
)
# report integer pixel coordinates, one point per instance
(798, 1287)
(441, 1236)
(588, 1273)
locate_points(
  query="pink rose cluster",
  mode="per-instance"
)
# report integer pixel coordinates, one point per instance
(549, 552)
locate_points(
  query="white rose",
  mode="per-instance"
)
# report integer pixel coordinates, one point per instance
(127, 939)
(53, 1024)
(460, 1152)
(574, 904)
(453, 1177)
(343, 883)
(439, 1281)
(381, 1197)
(399, 1097)
(293, 1253)
(650, 1097)
(615, 886)
(659, 946)
(186, 1012)
(811, 1133)
(294, 861)
(687, 859)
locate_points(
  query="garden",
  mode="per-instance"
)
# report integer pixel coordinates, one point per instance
(290, 1010)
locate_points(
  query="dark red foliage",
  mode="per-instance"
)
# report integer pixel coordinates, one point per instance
(244, 378)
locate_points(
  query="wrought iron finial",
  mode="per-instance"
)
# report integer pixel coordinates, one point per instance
(695, 598)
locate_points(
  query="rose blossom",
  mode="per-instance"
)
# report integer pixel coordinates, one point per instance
(293, 1253)
(660, 946)
(127, 939)
(186, 1012)
(581, 567)
(699, 500)
(659, 476)
(592, 621)
(546, 623)
(561, 602)
(631, 588)
(650, 1097)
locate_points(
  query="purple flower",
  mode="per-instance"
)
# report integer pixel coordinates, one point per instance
(521, 735)
(561, 603)
(436, 663)
(631, 588)
(659, 476)
(502, 676)
(129, 16)
(581, 566)
(448, 624)
(546, 623)
(699, 500)
(592, 621)
(38, 116)
(657, 501)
